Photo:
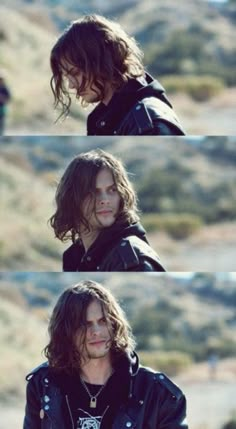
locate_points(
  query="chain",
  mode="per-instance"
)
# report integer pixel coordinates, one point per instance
(93, 398)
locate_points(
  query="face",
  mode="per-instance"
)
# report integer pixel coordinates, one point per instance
(98, 333)
(90, 94)
(74, 76)
(102, 212)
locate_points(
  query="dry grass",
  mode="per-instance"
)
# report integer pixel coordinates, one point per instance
(20, 346)
(212, 248)
(25, 64)
(215, 117)
(26, 242)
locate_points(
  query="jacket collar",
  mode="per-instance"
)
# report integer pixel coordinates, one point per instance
(106, 240)
(103, 120)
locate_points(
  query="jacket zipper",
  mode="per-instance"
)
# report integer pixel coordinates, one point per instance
(68, 406)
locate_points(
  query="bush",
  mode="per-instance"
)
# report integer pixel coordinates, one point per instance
(169, 362)
(200, 88)
(178, 226)
(231, 424)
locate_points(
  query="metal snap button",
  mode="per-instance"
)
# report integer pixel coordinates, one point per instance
(102, 123)
(161, 377)
(138, 107)
(128, 424)
(46, 407)
(46, 398)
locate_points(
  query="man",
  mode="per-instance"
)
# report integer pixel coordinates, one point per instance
(93, 379)
(97, 59)
(96, 209)
(4, 99)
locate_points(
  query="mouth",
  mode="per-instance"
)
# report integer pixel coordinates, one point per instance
(97, 343)
(104, 212)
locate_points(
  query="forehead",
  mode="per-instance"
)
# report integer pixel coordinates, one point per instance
(94, 310)
(104, 177)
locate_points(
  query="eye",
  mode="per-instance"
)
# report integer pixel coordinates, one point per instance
(88, 324)
(113, 189)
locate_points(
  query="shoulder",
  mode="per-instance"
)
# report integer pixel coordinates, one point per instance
(40, 371)
(133, 254)
(151, 116)
(71, 257)
(160, 381)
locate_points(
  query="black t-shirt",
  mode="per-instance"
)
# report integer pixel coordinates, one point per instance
(107, 402)
(86, 417)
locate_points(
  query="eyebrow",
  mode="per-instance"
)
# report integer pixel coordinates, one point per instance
(90, 321)
(107, 187)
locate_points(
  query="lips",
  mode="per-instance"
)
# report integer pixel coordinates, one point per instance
(98, 342)
(104, 212)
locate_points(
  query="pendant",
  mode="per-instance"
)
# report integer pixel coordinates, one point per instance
(93, 402)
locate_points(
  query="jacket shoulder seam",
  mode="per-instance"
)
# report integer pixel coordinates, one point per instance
(42, 367)
(166, 382)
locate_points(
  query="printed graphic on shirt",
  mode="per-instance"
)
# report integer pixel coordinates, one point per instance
(88, 421)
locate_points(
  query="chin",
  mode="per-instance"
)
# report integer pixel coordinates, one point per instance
(91, 98)
(108, 224)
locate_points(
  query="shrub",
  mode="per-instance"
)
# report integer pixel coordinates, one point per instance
(178, 226)
(169, 362)
(231, 424)
(200, 88)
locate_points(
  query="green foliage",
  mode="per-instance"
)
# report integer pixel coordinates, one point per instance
(168, 190)
(231, 424)
(169, 362)
(178, 226)
(200, 88)
(160, 188)
(190, 51)
(151, 322)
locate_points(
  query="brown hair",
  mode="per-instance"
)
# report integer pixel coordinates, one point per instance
(78, 181)
(101, 50)
(69, 316)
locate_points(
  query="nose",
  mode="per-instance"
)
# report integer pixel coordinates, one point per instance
(95, 330)
(103, 198)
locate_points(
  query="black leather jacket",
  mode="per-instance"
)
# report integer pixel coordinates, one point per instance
(153, 402)
(117, 248)
(139, 108)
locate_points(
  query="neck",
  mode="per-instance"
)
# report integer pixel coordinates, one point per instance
(96, 371)
(88, 238)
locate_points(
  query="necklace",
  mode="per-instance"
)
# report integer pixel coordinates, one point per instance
(93, 398)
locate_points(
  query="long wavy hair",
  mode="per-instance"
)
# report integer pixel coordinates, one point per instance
(69, 317)
(101, 50)
(79, 181)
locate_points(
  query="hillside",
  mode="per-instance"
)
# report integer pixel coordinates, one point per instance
(31, 109)
(20, 346)
(170, 38)
(193, 178)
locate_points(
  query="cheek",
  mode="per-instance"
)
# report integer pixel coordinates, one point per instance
(117, 202)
